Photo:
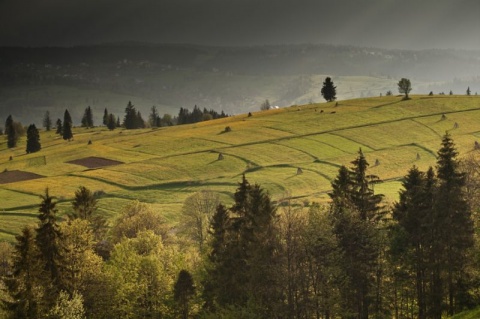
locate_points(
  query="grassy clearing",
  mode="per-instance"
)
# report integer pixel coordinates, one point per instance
(164, 166)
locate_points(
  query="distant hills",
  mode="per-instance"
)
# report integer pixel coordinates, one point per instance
(233, 79)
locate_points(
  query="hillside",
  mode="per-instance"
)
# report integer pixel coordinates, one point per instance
(164, 166)
(233, 79)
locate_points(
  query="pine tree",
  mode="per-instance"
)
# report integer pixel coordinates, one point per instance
(85, 207)
(139, 122)
(87, 119)
(183, 291)
(411, 235)
(111, 122)
(47, 121)
(21, 284)
(33, 139)
(468, 91)
(453, 224)
(355, 214)
(47, 241)
(105, 117)
(130, 120)
(67, 126)
(11, 132)
(329, 91)
(59, 127)
(245, 240)
(154, 117)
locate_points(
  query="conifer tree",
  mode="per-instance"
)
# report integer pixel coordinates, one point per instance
(85, 207)
(154, 118)
(245, 242)
(33, 139)
(47, 240)
(67, 126)
(11, 132)
(329, 91)
(111, 122)
(105, 117)
(87, 119)
(454, 226)
(411, 235)
(130, 120)
(59, 126)
(355, 214)
(47, 121)
(22, 283)
(183, 291)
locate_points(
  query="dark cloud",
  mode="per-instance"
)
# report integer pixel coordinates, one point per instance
(382, 23)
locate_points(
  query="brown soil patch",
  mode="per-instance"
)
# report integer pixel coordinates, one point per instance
(94, 162)
(17, 176)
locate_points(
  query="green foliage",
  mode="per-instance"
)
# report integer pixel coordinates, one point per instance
(197, 212)
(68, 307)
(59, 127)
(135, 218)
(404, 87)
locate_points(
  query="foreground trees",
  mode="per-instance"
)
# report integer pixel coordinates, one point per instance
(350, 259)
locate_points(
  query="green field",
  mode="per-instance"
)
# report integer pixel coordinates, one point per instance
(164, 166)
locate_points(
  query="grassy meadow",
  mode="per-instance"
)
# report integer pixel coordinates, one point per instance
(163, 166)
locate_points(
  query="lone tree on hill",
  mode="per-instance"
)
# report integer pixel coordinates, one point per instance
(468, 91)
(67, 126)
(329, 91)
(404, 86)
(33, 139)
(47, 121)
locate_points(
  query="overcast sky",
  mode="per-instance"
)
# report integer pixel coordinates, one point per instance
(405, 24)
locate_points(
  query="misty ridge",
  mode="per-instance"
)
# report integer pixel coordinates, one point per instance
(233, 79)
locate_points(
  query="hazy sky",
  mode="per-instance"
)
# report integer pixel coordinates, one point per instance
(408, 24)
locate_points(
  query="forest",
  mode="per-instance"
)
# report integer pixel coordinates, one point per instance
(354, 257)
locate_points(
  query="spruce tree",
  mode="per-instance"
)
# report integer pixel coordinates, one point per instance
(87, 119)
(329, 91)
(153, 118)
(59, 126)
(11, 132)
(47, 121)
(183, 291)
(105, 117)
(244, 240)
(47, 240)
(454, 226)
(67, 126)
(111, 122)
(355, 214)
(411, 238)
(22, 283)
(130, 120)
(33, 139)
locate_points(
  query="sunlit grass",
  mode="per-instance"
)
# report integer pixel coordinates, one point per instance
(164, 166)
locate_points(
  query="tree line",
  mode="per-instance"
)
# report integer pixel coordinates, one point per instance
(353, 258)
(132, 120)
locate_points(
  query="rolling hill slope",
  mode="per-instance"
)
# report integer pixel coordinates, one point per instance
(164, 166)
